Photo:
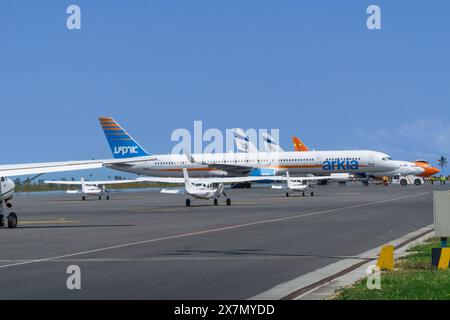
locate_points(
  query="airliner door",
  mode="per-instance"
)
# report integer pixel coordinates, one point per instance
(2, 185)
(371, 161)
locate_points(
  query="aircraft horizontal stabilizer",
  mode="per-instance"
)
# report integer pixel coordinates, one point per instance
(173, 191)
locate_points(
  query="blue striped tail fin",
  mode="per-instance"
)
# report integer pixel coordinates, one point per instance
(121, 143)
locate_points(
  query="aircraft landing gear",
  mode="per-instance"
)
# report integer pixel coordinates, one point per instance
(303, 194)
(9, 205)
(312, 193)
(83, 198)
(216, 202)
(99, 197)
(107, 197)
(12, 220)
(188, 203)
(287, 194)
(228, 202)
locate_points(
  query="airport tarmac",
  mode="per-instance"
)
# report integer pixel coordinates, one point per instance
(147, 245)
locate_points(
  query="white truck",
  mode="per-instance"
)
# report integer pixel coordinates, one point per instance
(406, 180)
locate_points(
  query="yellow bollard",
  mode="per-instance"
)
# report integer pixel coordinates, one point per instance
(444, 259)
(386, 258)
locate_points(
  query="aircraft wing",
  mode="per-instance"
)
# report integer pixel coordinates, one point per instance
(10, 170)
(308, 178)
(73, 191)
(212, 179)
(232, 169)
(90, 183)
(173, 191)
(47, 167)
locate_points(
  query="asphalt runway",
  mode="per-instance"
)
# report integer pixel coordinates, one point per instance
(146, 245)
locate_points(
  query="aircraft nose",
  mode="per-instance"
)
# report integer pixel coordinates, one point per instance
(419, 170)
(433, 170)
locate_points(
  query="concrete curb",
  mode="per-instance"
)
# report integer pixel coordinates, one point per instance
(323, 283)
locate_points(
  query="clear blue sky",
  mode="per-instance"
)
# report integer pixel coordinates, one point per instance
(310, 68)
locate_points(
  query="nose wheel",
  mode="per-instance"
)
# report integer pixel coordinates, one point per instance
(11, 220)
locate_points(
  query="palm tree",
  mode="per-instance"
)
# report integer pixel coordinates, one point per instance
(442, 162)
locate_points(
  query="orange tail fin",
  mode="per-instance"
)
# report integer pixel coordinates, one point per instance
(298, 145)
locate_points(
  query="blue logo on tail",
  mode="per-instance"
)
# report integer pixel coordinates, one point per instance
(121, 143)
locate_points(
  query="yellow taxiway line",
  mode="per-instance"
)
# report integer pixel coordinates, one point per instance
(59, 221)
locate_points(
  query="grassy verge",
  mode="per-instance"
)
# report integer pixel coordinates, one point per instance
(413, 279)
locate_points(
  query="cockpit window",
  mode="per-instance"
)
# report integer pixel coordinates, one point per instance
(386, 158)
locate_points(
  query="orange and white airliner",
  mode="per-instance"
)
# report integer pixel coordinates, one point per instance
(429, 170)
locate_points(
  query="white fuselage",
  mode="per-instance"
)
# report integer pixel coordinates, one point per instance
(265, 163)
(299, 187)
(405, 168)
(91, 190)
(204, 191)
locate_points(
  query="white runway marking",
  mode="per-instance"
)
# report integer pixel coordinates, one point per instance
(181, 257)
(185, 235)
(347, 193)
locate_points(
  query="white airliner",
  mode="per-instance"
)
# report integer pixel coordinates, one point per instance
(7, 186)
(90, 188)
(203, 188)
(357, 162)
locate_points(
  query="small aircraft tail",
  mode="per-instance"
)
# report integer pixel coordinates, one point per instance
(242, 141)
(288, 180)
(187, 182)
(121, 143)
(299, 145)
(83, 184)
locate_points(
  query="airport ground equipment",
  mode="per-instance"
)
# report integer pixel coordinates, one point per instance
(407, 180)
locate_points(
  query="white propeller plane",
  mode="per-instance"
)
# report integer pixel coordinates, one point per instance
(90, 188)
(298, 184)
(205, 188)
(7, 186)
